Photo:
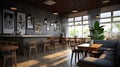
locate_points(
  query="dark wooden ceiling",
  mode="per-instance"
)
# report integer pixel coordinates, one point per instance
(66, 6)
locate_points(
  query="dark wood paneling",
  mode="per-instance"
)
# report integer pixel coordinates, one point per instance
(66, 6)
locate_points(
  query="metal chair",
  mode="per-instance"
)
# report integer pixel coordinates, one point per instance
(75, 51)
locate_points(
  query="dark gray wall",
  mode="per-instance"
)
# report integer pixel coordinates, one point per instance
(93, 13)
(37, 13)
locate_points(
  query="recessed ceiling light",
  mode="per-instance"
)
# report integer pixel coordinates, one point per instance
(49, 2)
(55, 13)
(105, 1)
(74, 11)
(13, 8)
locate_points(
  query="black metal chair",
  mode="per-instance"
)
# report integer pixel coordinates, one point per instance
(75, 51)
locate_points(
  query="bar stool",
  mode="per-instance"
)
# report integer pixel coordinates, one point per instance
(32, 45)
(56, 43)
(68, 42)
(52, 44)
(63, 42)
(15, 44)
(10, 54)
(23, 47)
(40, 46)
(46, 45)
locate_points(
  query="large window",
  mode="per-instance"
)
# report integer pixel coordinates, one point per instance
(116, 23)
(78, 26)
(111, 22)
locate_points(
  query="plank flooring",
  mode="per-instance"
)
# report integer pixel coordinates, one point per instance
(59, 57)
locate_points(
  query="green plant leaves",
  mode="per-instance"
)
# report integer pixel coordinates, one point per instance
(96, 25)
(101, 37)
(97, 32)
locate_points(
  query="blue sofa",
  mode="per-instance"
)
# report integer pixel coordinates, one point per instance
(110, 56)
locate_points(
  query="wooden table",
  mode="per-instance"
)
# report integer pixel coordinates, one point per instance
(88, 47)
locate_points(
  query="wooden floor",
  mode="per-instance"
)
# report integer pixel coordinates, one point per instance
(53, 58)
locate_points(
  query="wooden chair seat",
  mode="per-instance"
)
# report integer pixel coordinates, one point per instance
(9, 52)
(46, 45)
(32, 46)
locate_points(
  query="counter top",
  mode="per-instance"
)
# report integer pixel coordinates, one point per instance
(25, 35)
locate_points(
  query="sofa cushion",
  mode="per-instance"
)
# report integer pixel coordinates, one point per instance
(108, 55)
(96, 62)
(106, 49)
(100, 42)
(107, 43)
(118, 54)
(111, 44)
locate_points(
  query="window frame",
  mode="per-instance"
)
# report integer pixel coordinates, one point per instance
(82, 24)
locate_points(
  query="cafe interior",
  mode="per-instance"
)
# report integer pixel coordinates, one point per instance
(59, 33)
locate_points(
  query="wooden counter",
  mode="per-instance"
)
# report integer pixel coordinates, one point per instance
(21, 39)
(24, 38)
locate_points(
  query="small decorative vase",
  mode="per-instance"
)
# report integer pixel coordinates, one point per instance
(91, 42)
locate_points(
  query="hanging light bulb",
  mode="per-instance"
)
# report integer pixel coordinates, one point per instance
(29, 16)
(55, 21)
(97, 16)
(45, 21)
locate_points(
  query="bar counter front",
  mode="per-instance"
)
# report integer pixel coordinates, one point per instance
(24, 38)
(21, 39)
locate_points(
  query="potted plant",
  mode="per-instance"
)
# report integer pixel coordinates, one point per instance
(97, 32)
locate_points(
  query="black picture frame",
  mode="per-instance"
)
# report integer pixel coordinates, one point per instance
(30, 23)
(21, 22)
(8, 21)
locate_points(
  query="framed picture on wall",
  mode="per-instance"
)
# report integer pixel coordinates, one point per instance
(38, 27)
(21, 22)
(30, 23)
(8, 21)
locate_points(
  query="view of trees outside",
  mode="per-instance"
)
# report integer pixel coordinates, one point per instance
(107, 29)
(116, 29)
(79, 31)
(71, 31)
(111, 25)
(86, 31)
(78, 26)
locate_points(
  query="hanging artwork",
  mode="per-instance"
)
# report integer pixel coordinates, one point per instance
(58, 26)
(55, 26)
(8, 21)
(48, 27)
(30, 23)
(38, 27)
(21, 22)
